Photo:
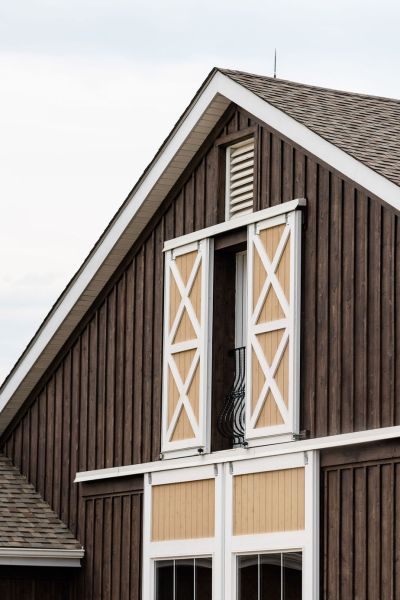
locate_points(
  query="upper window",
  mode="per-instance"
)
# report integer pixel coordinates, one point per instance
(239, 179)
(231, 336)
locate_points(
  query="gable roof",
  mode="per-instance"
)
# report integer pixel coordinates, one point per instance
(207, 107)
(366, 127)
(27, 522)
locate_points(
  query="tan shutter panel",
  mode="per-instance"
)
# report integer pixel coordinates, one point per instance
(273, 327)
(186, 322)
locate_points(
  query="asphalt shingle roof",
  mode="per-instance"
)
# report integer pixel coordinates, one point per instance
(366, 127)
(26, 520)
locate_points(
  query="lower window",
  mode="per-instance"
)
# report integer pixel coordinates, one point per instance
(269, 576)
(184, 579)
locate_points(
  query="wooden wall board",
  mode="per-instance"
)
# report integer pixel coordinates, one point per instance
(360, 498)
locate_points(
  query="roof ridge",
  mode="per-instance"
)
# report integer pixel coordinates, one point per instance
(308, 86)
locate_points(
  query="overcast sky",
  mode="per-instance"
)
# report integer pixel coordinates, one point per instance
(90, 88)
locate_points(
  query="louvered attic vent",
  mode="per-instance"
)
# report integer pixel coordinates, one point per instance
(239, 179)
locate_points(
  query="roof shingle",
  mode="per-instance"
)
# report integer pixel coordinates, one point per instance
(366, 127)
(26, 520)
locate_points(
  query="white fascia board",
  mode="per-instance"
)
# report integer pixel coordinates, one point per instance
(240, 454)
(310, 141)
(218, 85)
(41, 557)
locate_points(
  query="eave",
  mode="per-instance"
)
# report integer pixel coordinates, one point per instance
(41, 557)
(196, 123)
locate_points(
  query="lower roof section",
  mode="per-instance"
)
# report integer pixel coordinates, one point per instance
(30, 532)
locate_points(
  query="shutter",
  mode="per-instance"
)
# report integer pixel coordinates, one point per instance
(273, 328)
(188, 271)
(240, 179)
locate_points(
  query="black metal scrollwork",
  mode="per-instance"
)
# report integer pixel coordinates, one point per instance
(231, 419)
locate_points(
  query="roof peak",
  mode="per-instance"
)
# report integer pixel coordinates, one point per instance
(310, 86)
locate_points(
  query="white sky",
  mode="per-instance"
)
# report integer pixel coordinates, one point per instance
(90, 88)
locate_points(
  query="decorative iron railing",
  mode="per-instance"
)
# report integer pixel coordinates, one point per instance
(231, 419)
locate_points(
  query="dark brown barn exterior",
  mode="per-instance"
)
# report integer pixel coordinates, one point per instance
(98, 404)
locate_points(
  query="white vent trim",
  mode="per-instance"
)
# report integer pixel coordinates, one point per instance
(239, 186)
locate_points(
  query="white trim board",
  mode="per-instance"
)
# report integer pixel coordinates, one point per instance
(41, 557)
(226, 456)
(306, 540)
(184, 141)
(255, 217)
(312, 142)
(224, 547)
(175, 549)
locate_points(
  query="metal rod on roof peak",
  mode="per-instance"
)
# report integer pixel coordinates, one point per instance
(275, 64)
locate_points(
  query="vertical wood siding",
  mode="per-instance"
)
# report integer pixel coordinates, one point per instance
(182, 511)
(360, 534)
(268, 502)
(113, 547)
(100, 403)
(350, 371)
(36, 583)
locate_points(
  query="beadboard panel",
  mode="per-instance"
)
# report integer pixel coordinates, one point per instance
(268, 502)
(183, 511)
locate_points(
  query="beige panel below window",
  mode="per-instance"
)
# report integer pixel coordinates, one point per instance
(268, 502)
(183, 511)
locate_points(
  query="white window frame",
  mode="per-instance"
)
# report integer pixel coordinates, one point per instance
(306, 541)
(225, 547)
(292, 323)
(177, 549)
(201, 440)
(286, 212)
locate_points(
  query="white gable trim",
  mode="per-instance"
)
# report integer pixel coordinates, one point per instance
(300, 134)
(168, 165)
(112, 247)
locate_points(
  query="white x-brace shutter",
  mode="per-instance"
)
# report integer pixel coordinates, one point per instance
(272, 389)
(187, 355)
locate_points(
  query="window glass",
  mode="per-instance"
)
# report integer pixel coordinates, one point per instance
(247, 577)
(292, 576)
(165, 580)
(203, 578)
(184, 579)
(270, 577)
